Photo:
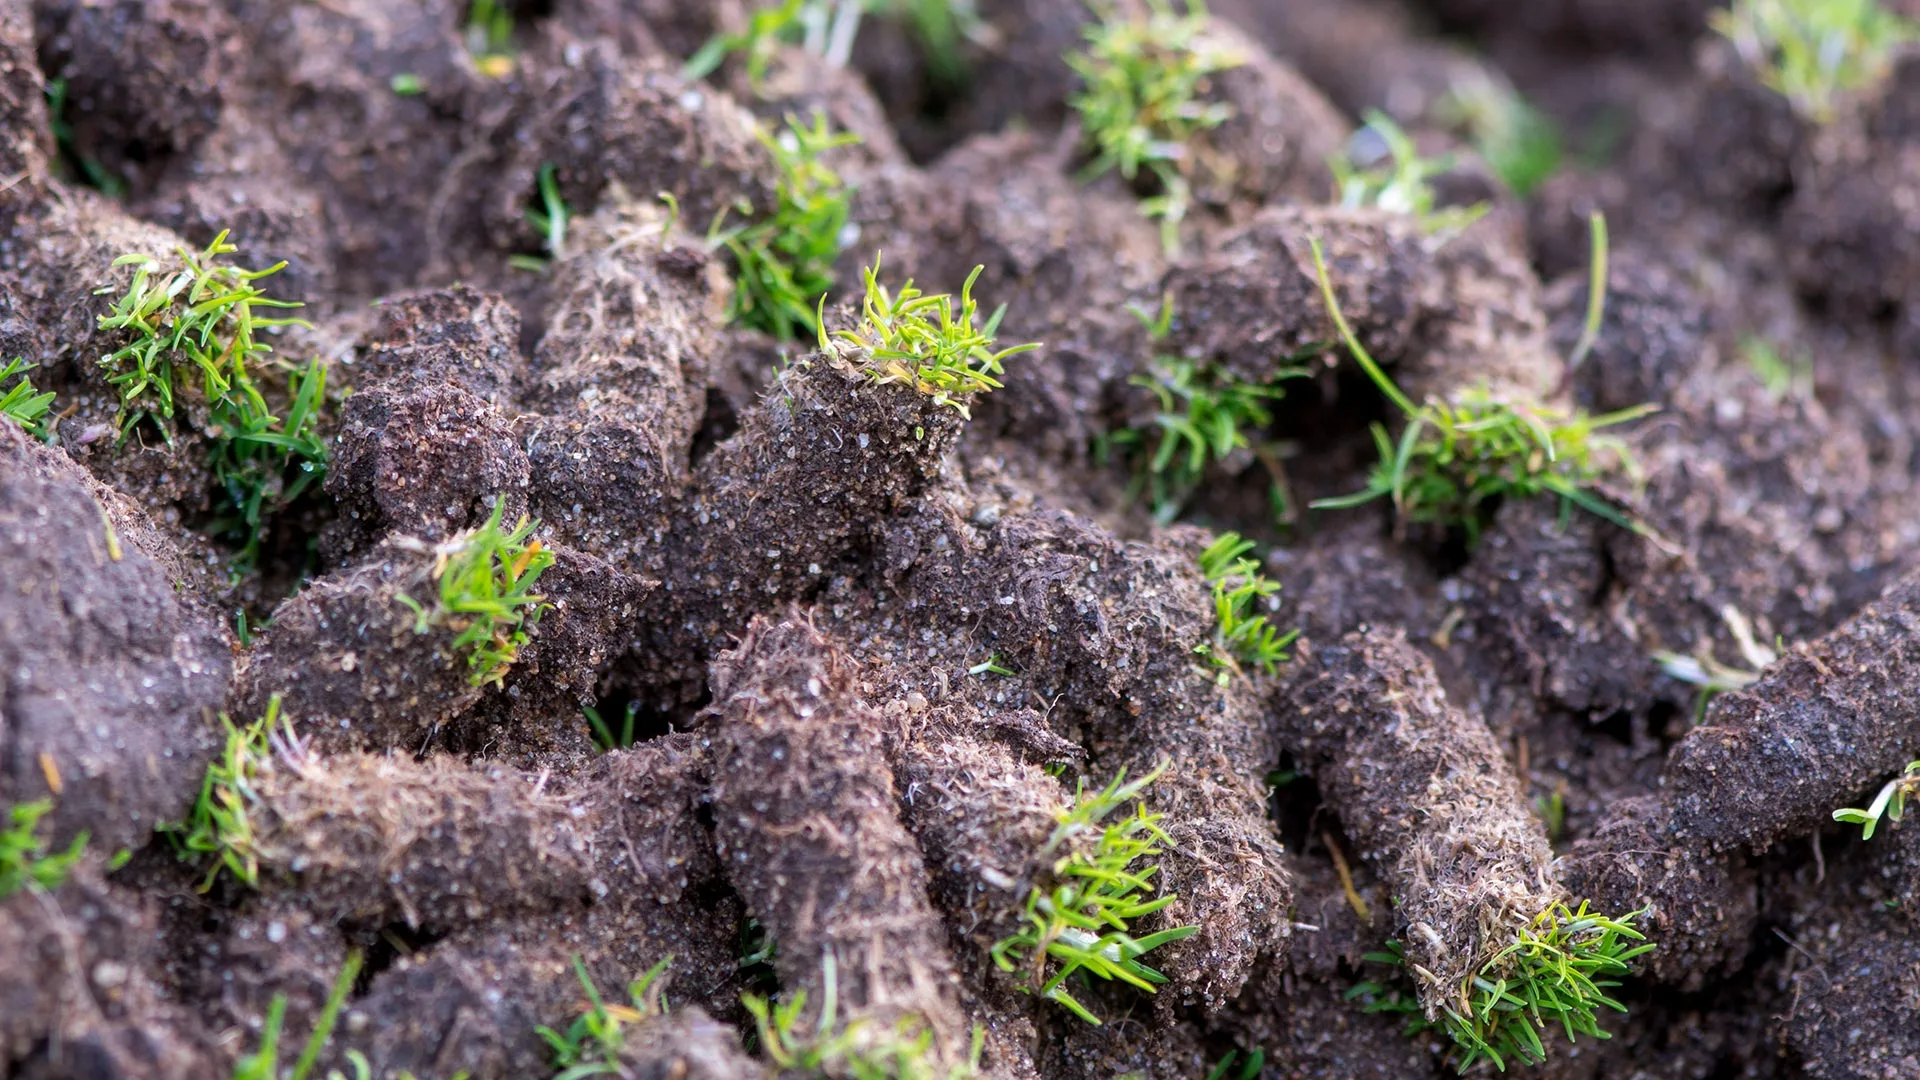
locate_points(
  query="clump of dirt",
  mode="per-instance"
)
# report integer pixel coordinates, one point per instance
(656, 695)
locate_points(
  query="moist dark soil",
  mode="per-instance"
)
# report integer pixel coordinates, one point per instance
(872, 644)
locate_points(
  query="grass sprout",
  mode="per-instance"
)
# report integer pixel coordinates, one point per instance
(828, 29)
(221, 821)
(783, 264)
(1705, 671)
(1080, 924)
(549, 218)
(1398, 182)
(1143, 103)
(1249, 1069)
(1785, 374)
(924, 341)
(486, 578)
(1240, 637)
(605, 735)
(20, 404)
(264, 1063)
(1813, 51)
(591, 1044)
(489, 37)
(25, 862)
(1454, 461)
(1203, 417)
(1890, 803)
(857, 1049)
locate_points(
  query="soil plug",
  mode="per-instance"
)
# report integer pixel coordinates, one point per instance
(807, 827)
(1495, 951)
(110, 670)
(1831, 720)
(1121, 635)
(844, 440)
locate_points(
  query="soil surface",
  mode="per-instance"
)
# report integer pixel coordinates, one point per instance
(867, 646)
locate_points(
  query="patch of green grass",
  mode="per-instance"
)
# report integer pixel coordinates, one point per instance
(1143, 103)
(22, 405)
(1813, 51)
(1456, 460)
(927, 342)
(783, 263)
(1517, 141)
(1555, 973)
(1204, 416)
(486, 578)
(1241, 639)
(194, 318)
(1890, 803)
(857, 1049)
(192, 355)
(220, 823)
(264, 1063)
(991, 666)
(25, 862)
(591, 1044)
(1080, 924)
(1400, 182)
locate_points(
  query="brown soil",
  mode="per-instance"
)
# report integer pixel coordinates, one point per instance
(791, 577)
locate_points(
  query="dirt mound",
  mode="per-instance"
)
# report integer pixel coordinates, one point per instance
(994, 538)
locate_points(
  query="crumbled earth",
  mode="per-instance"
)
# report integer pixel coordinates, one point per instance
(861, 649)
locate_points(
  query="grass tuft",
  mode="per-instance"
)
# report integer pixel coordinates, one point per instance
(221, 821)
(591, 1045)
(264, 1063)
(191, 338)
(22, 405)
(1813, 51)
(25, 862)
(857, 1049)
(924, 341)
(486, 596)
(1241, 639)
(1455, 461)
(1204, 416)
(1080, 924)
(1399, 182)
(1143, 103)
(1890, 803)
(1555, 973)
(783, 264)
